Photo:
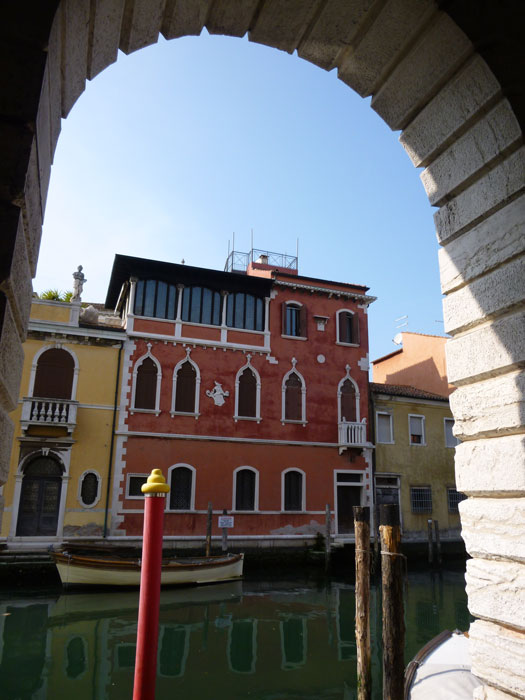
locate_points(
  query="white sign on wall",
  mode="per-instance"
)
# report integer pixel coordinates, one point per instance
(225, 520)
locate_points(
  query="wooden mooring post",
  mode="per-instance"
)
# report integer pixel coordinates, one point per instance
(208, 529)
(438, 542)
(392, 567)
(362, 601)
(430, 543)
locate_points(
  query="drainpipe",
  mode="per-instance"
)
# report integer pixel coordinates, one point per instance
(110, 464)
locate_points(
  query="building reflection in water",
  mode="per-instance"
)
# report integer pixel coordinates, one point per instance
(268, 641)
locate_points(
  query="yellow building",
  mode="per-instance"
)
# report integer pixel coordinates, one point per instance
(414, 459)
(63, 443)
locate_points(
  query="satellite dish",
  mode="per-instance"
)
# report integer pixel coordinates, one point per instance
(398, 339)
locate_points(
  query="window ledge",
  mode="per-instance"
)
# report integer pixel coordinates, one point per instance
(184, 413)
(144, 410)
(181, 510)
(294, 422)
(347, 345)
(418, 444)
(383, 442)
(293, 337)
(252, 418)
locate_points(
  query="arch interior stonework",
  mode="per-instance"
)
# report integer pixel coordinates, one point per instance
(447, 76)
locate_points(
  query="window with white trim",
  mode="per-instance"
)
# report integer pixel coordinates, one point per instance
(185, 387)
(347, 327)
(245, 489)
(421, 499)
(293, 490)
(134, 484)
(385, 429)
(247, 394)
(450, 440)
(416, 429)
(294, 319)
(89, 489)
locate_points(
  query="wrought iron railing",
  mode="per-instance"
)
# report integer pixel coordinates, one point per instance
(238, 261)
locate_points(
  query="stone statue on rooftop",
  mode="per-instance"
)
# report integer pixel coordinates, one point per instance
(78, 284)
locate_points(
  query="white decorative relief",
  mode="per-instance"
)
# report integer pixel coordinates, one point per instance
(218, 394)
(272, 360)
(364, 363)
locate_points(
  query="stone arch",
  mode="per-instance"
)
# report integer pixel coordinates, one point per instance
(426, 80)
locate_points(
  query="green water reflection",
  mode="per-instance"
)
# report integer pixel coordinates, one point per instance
(274, 640)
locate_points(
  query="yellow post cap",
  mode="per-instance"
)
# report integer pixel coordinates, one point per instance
(156, 483)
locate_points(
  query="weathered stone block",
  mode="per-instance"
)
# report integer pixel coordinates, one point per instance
(231, 18)
(487, 351)
(32, 210)
(490, 295)
(442, 48)
(471, 153)
(6, 440)
(496, 239)
(43, 140)
(54, 62)
(496, 591)
(15, 279)
(497, 656)
(11, 356)
(490, 408)
(491, 466)
(75, 51)
(396, 25)
(184, 18)
(486, 692)
(451, 109)
(105, 39)
(493, 527)
(282, 25)
(334, 29)
(486, 195)
(141, 24)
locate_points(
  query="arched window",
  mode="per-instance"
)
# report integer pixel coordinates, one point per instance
(294, 319)
(185, 380)
(347, 327)
(294, 397)
(293, 490)
(348, 402)
(146, 385)
(247, 399)
(40, 498)
(54, 375)
(89, 491)
(181, 488)
(245, 489)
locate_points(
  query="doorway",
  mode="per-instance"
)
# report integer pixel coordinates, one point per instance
(40, 499)
(349, 490)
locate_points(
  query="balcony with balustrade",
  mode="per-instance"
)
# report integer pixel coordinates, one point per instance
(51, 413)
(352, 434)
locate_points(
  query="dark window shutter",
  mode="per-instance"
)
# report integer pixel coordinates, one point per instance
(293, 491)
(284, 306)
(355, 328)
(348, 403)
(303, 321)
(146, 385)
(181, 483)
(245, 490)
(186, 382)
(54, 375)
(293, 398)
(247, 402)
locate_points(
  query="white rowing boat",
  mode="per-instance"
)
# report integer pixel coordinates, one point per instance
(80, 570)
(441, 670)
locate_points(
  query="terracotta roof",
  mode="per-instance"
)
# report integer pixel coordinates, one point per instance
(405, 390)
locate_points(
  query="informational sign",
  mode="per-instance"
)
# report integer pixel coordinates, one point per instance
(225, 521)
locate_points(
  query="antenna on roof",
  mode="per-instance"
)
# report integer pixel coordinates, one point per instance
(402, 321)
(251, 248)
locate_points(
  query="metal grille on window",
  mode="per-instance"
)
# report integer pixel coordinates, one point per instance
(454, 499)
(134, 485)
(181, 483)
(245, 490)
(89, 489)
(421, 499)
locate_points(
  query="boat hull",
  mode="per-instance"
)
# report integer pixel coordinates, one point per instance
(91, 571)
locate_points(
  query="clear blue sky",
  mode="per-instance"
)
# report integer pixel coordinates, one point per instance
(173, 149)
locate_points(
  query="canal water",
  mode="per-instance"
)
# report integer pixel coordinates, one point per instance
(273, 640)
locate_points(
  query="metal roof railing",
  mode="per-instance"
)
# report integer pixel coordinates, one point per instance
(238, 261)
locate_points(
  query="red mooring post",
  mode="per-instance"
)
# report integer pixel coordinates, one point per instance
(154, 490)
